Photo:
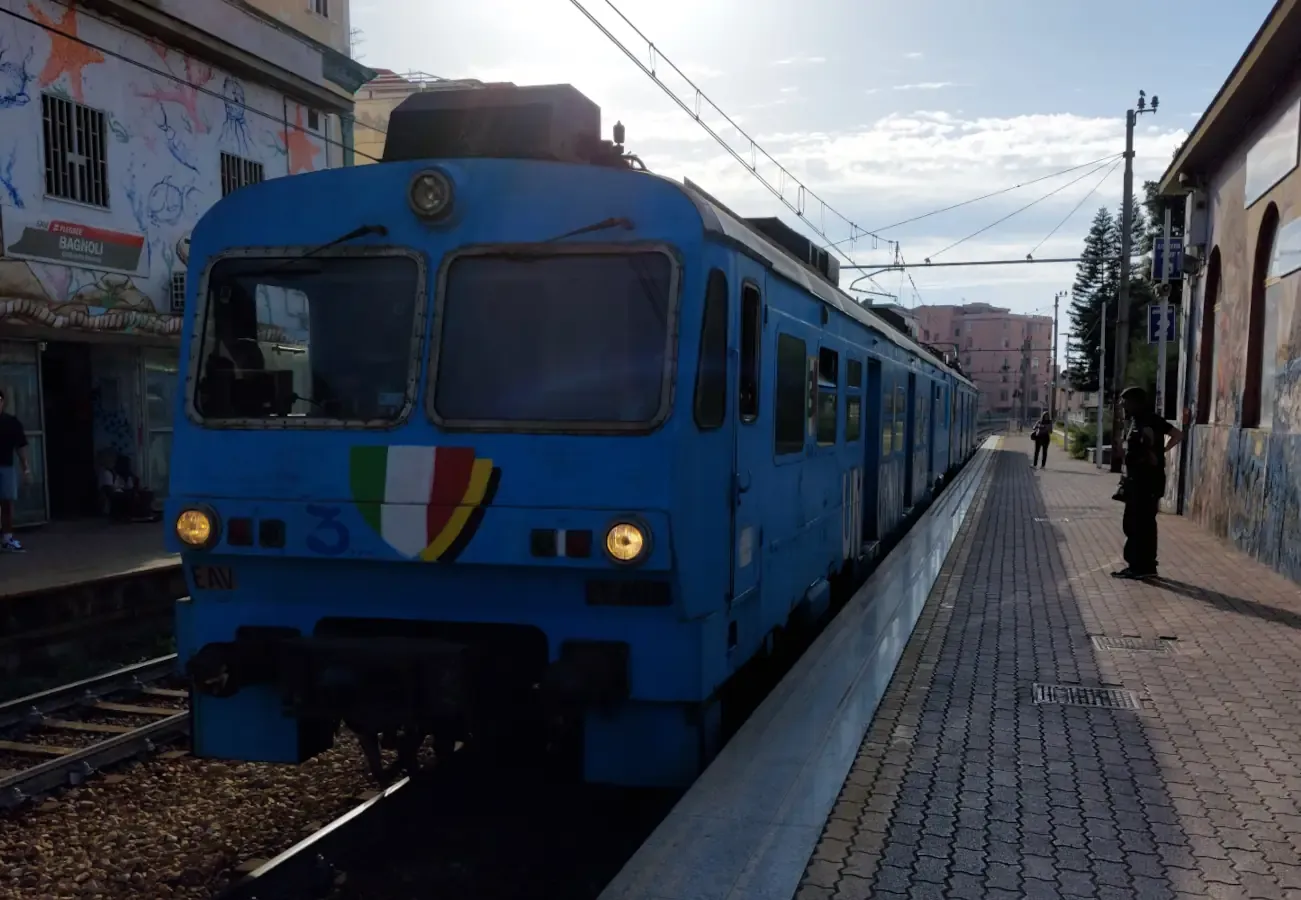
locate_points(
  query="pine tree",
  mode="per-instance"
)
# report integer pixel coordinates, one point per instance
(1097, 276)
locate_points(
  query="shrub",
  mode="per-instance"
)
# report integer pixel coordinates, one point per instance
(1080, 438)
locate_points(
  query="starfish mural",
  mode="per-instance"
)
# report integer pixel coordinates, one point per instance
(66, 55)
(301, 147)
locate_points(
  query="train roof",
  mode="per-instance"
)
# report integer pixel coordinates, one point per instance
(721, 220)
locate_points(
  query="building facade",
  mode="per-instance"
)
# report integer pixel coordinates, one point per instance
(1008, 355)
(328, 22)
(121, 122)
(1238, 178)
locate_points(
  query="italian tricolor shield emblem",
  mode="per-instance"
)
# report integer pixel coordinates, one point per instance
(425, 502)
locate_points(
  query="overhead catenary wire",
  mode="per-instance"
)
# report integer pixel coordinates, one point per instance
(1016, 212)
(857, 232)
(163, 73)
(1006, 190)
(1076, 208)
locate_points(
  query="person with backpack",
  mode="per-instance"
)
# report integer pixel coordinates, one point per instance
(1144, 482)
(1042, 435)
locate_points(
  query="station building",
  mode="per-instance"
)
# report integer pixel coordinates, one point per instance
(121, 122)
(1240, 387)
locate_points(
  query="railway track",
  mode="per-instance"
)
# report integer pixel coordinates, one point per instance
(61, 736)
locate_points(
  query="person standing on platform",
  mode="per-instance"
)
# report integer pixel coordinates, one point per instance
(1144, 481)
(13, 448)
(1042, 435)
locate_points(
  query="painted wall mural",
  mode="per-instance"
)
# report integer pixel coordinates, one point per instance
(165, 136)
(1244, 484)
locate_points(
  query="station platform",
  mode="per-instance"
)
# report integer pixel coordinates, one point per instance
(1049, 731)
(63, 554)
(81, 585)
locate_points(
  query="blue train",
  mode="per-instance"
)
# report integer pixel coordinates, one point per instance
(507, 440)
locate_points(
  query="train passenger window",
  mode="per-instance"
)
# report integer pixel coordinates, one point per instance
(555, 339)
(330, 337)
(751, 344)
(900, 415)
(887, 418)
(855, 373)
(853, 418)
(789, 404)
(711, 368)
(921, 416)
(828, 386)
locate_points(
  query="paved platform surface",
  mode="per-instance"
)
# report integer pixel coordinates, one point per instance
(964, 787)
(69, 553)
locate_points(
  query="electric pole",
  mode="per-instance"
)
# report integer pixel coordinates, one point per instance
(1052, 403)
(1122, 304)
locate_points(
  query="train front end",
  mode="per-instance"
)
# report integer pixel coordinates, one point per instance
(422, 471)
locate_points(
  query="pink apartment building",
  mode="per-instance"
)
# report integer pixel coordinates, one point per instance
(1008, 355)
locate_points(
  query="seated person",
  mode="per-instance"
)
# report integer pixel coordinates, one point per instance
(127, 500)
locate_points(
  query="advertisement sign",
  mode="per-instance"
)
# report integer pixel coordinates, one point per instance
(70, 243)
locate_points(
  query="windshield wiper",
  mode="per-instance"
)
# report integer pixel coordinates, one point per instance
(625, 224)
(362, 231)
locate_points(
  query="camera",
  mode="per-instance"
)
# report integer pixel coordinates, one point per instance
(1120, 492)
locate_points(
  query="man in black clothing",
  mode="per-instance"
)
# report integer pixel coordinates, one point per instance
(1144, 484)
(13, 447)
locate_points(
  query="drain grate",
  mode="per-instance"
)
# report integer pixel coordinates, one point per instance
(1142, 645)
(1071, 695)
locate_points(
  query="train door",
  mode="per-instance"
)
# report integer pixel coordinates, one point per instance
(753, 450)
(954, 436)
(910, 439)
(932, 426)
(872, 429)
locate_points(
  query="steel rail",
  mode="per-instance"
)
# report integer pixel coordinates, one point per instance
(307, 869)
(74, 767)
(24, 709)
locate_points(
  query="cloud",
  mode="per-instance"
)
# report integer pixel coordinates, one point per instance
(799, 61)
(699, 71)
(927, 86)
(906, 160)
(915, 54)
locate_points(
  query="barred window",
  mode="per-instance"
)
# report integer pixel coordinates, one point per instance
(76, 165)
(177, 292)
(237, 172)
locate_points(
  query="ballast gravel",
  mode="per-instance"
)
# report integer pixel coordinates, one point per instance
(172, 826)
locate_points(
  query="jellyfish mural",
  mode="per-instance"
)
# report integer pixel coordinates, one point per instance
(234, 131)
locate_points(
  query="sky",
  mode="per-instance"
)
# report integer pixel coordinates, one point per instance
(887, 111)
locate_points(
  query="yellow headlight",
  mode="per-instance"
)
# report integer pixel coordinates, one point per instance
(624, 542)
(194, 527)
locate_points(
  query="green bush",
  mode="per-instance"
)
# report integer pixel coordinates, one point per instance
(1080, 438)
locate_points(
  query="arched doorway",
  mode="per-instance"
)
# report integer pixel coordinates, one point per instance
(1258, 391)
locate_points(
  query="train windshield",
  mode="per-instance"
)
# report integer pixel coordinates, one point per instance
(324, 338)
(555, 339)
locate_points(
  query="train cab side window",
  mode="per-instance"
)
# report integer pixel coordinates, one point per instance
(855, 374)
(828, 386)
(711, 370)
(751, 342)
(791, 395)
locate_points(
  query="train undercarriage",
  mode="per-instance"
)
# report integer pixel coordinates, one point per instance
(489, 688)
